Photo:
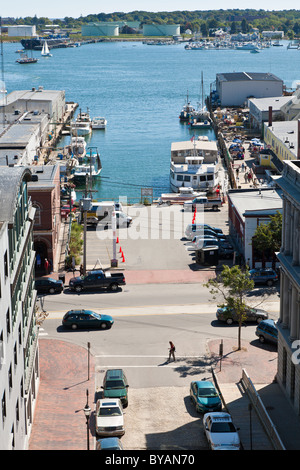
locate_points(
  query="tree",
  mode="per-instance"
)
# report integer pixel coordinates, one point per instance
(267, 237)
(233, 284)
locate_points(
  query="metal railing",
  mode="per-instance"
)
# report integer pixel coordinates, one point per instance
(261, 411)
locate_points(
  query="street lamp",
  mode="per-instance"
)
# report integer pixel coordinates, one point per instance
(87, 411)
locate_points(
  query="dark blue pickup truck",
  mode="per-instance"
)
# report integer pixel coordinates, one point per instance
(95, 280)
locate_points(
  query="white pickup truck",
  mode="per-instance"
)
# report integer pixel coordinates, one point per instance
(202, 202)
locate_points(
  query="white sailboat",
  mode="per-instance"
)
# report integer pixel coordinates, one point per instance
(45, 51)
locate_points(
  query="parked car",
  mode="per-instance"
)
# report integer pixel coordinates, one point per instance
(109, 417)
(229, 316)
(267, 331)
(48, 286)
(200, 243)
(115, 385)
(86, 319)
(109, 443)
(226, 251)
(263, 276)
(197, 229)
(203, 202)
(98, 279)
(205, 396)
(220, 431)
(66, 209)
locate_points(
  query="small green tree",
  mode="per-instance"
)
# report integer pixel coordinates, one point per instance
(233, 284)
(267, 237)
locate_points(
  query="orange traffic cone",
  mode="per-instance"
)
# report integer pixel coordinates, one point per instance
(117, 239)
(120, 250)
(123, 257)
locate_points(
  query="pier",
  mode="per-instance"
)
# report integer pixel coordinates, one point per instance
(49, 152)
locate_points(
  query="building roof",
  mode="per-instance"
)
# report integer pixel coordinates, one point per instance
(286, 132)
(10, 181)
(35, 94)
(42, 177)
(255, 202)
(198, 144)
(276, 102)
(247, 76)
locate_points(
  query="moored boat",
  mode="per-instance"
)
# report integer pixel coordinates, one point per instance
(187, 110)
(99, 123)
(194, 164)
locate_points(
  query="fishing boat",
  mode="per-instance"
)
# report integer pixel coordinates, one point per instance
(186, 110)
(82, 125)
(77, 146)
(90, 170)
(195, 164)
(99, 123)
(24, 59)
(200, 119)
(45, 51)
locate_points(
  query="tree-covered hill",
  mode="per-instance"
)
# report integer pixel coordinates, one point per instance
(233, 19)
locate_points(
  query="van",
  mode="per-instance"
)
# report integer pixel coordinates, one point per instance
(115, 385)
(267, 331)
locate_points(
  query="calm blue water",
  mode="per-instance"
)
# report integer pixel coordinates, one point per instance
(140, 89)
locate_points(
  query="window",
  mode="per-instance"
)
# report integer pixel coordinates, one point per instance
(15, 354)
(179, 178)
(5, 264)
(3, 405)
(10, 377)
(8, 330)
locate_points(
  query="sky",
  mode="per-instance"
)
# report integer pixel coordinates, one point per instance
(75, 8)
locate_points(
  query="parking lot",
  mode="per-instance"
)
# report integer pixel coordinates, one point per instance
(155, 240)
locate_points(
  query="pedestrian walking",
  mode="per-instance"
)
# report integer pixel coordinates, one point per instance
(246, 177)
(171, 351)
(243, 166)
(81, 270)
(46, 266)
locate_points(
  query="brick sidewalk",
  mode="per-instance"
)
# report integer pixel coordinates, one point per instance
(59, 422)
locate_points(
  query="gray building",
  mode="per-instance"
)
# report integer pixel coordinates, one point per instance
(259, 110)
(234, 89)
(19, 360)
(288, 371)
(27, 117)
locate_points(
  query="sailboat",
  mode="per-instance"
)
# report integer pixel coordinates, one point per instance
(200, 119)
(45, 51)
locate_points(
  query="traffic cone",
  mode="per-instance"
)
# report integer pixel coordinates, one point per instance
(117, 239)
(120, 250)
(123, 257)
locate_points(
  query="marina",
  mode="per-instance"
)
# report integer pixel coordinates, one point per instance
(140, 91)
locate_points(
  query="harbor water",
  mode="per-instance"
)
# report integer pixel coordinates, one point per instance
(140, 90)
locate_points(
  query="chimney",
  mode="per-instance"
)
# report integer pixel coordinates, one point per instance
(298, 140)
(270, 115)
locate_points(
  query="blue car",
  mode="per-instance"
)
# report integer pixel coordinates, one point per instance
(205, 396)
(109, 443)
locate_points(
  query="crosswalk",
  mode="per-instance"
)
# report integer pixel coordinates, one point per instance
(42, 332)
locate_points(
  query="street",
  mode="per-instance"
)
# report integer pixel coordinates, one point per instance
(147, 315)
